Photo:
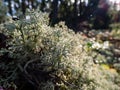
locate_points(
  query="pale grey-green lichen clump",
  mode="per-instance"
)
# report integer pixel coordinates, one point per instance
(59, 51)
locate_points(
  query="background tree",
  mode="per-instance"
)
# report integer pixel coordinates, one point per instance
(92, 4)
(100, 15)
(54, 12)
(71, 12)
(3, 12)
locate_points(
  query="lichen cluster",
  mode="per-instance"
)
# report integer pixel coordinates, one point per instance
(53, 58)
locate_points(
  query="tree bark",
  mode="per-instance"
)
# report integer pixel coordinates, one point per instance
(54, 12)
(23, 7)
(10, 8)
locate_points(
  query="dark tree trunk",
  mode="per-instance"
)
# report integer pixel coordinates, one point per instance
(80, 7)
(75, 8)
(23, 7)
(42, 6)
(54, 12)
(9, 6)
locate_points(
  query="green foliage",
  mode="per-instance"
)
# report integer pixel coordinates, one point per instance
(54, 57)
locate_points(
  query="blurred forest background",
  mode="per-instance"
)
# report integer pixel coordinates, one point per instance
(76, 13)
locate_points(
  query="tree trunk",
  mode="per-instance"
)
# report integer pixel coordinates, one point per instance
(75, 8)
(10, 8)
(54, 12)
(23, 7)
(80, 7)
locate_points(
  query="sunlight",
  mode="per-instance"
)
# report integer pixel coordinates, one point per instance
(117, 3)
